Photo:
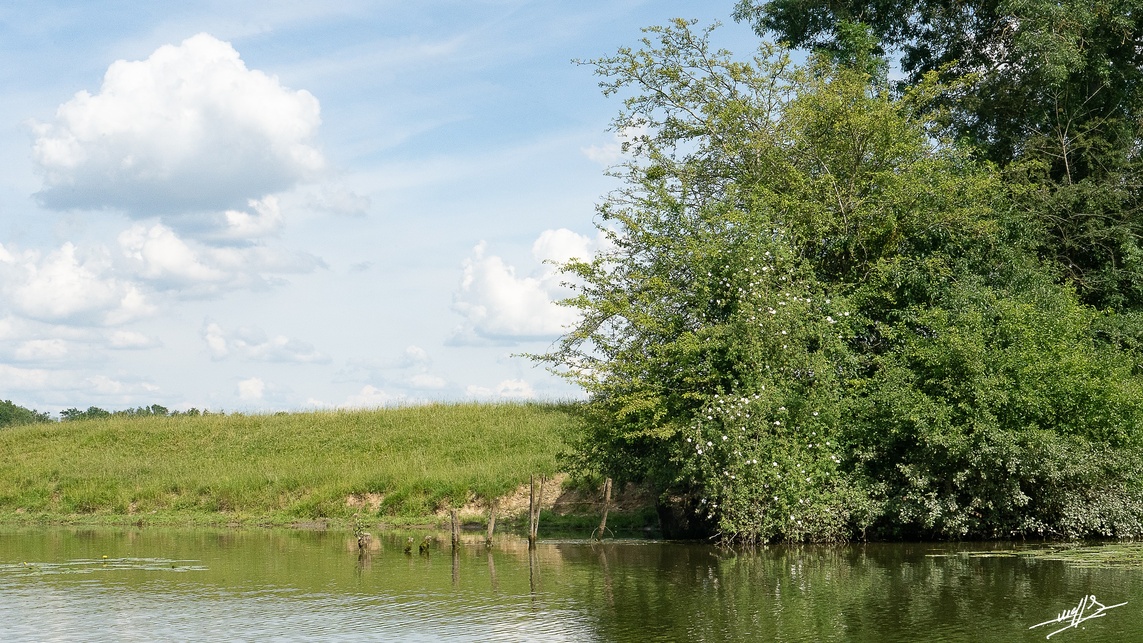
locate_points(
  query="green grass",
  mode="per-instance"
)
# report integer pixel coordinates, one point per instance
(275, 469)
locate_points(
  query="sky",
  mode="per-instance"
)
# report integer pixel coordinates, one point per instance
(253, 207)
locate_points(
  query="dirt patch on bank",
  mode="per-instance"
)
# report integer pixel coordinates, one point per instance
(559, 497)
(370, 501)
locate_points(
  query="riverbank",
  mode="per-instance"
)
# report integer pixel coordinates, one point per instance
(567, 510)
(390, 467)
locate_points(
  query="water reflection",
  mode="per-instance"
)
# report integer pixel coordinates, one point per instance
(56, 585)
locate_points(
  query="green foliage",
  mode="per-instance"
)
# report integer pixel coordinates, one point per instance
(994, 410)
(1052, 92)
(819, 319)
(155, 410)
(12, 414)
(92, 413)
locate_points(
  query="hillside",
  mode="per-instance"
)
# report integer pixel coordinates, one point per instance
(395, 464)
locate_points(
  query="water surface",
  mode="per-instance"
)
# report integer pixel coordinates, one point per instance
(195, 585)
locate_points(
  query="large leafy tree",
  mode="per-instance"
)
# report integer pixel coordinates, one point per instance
(1055, 94)
(819, 316)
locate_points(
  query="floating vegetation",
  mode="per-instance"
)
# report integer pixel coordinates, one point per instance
(1100, 555)
(89, 566)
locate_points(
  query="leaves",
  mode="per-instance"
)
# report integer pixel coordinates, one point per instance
(1052, 92)
(818, 320)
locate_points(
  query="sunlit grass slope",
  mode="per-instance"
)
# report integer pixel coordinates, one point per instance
(279, 467)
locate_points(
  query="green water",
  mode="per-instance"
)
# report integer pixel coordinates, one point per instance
(153, 584)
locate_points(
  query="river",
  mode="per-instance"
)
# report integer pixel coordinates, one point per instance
(73, 584)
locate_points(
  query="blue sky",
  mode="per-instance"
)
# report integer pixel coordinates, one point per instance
(314, 205)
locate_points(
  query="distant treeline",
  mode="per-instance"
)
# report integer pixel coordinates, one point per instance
(12, 414)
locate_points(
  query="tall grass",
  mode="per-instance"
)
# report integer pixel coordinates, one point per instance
(299, 465)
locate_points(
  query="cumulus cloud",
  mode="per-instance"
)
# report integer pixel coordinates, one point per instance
(89, 285)
(157, 254)
(69, 285)
(506, 390)
(253, 344)
(251, 389)
(265, 218)
(498, 304)
(190, 128)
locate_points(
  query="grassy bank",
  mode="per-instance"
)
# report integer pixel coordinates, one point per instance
(398, 465)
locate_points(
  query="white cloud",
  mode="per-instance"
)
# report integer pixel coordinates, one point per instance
(31, 340)
(506, 390)
(130, 340)
(157, 254)
(400, 376)
(66, 387)
(266, 219)
(36, 350)
(123, 391)
(251, 389)
(253, 264)
(160, 255)
(216, 341)
(10, 328)
(188, 129)
(70, 285)
(372, 397)
(415, 356)
(497, 304)
(613, 151)
(252, 343)
(14, 377)
(562, 245)
(338, 200)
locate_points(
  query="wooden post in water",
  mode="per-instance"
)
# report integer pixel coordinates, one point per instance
(534, 500)
(533, 572)
(455, 567)
(455, 528)
(606, 506)
(532, 511)
(492, 572)
(491, 521)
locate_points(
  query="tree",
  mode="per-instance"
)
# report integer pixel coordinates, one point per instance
(145, 411)
(12, 414)
(92, 413)
(1054, 93)
(796, 253)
